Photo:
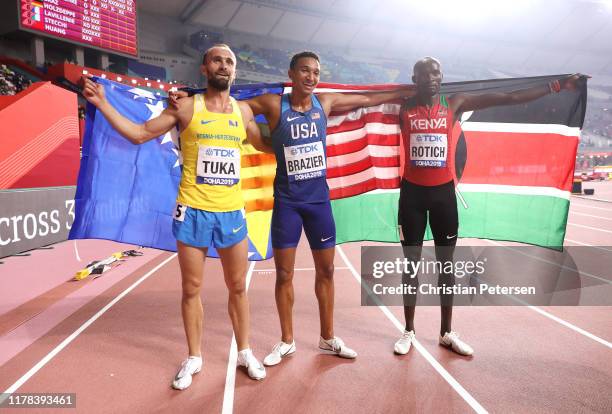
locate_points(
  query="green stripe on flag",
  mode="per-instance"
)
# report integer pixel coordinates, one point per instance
(531, 219)
(371, 217)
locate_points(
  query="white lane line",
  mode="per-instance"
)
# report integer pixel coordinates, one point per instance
(569, 325)
(557, 319)
(601, 200)
(230, 377)
(301, 269)
(571, 269)
(589, 227)
(587, 244)
(76, 333)
(76, 251)
(590, 215)
(573, 203)
(420, 348)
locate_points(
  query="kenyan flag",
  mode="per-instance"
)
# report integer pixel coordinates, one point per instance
(513, 165)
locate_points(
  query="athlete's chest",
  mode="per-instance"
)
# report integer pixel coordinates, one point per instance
(427, 119)
(302, 126)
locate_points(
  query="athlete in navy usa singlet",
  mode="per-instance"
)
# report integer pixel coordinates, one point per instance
(301, 194)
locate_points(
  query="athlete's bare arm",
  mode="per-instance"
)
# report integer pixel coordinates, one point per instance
(347, 101)
(462, 102)
(252, 130)
(137, 133)
(267, 105)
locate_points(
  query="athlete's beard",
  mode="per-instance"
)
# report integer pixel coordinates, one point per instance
(219, 84)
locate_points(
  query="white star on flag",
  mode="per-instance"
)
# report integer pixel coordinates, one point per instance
(170, 137)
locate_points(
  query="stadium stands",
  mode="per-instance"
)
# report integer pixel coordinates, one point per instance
(11, 81)
(336, 68)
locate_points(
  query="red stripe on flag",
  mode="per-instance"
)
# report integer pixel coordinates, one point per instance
(352, 124)
(364, 187)
(528, 159)
(361, 143)
(362, 165)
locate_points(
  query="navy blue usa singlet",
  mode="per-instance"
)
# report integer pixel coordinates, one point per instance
(299, 144)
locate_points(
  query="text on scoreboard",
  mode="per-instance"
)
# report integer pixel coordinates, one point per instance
(105, 24)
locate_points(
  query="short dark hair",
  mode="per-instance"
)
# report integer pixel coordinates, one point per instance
(222, 45)
(424, 61)
(305, 54)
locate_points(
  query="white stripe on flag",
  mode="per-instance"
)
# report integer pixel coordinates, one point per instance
(379, 151)
(373, 172)
(521, 128)
(287, 89)
(514, 189)
(369, 128)
(381, 191)
(386, 108)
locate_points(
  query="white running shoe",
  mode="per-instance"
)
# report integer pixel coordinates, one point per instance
(451, 340)
(254, 367)
(279, 351)
(189, 367)
(402, 346)
(336, 346)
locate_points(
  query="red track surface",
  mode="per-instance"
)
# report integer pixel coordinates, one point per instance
(124, 361)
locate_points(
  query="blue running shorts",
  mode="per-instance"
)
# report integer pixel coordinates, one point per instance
(200, 228)
(316, 218)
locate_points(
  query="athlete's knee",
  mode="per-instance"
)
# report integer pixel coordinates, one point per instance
(325, 272)
(284, 276)
(191, 287)
(237, 286)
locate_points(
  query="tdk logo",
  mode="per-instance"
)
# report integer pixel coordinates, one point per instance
(429, 138)
(221, 152)
(305, 149)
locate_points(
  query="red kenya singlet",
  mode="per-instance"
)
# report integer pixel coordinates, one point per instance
(428, 142)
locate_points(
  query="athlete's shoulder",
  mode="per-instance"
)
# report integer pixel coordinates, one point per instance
(264, 104)
(245, 111)
(327, 97)
(408, 104)
(409, 101)
(266, 98)
(454, 101)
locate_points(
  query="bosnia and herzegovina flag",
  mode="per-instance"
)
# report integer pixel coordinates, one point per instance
(514, 168)
(127, 193)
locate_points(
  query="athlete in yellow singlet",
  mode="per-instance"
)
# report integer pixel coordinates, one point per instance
(210, 208)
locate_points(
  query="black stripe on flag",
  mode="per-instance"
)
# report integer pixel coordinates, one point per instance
(564, 108)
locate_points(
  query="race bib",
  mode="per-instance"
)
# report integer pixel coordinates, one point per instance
(179, 212)
(218, 166)
(428, 150)
(305, 161)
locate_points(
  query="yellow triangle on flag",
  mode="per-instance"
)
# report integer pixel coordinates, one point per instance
(258, 225)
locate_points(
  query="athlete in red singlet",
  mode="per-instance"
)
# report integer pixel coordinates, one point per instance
(427, 187)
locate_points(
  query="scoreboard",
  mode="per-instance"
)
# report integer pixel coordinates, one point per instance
(109, 25)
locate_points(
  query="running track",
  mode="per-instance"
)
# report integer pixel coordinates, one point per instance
(121, 358)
